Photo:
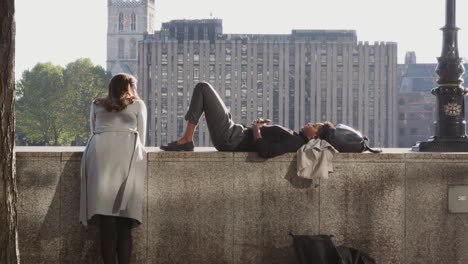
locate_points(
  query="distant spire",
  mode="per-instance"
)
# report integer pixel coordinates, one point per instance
(410, 57)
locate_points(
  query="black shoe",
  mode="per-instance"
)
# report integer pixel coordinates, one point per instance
(173, 146)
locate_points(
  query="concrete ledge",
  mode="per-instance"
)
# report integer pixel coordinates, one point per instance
(223, 207)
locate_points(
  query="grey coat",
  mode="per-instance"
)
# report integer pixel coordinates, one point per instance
(113, 166)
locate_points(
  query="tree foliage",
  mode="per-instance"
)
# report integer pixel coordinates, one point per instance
(40, 108)
(83, 83)
(53, 102)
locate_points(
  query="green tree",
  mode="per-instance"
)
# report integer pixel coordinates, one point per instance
(39, 109)
(53, 102)
(83, 83)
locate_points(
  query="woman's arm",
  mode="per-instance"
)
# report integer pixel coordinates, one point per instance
(141, 121)
(92, 118)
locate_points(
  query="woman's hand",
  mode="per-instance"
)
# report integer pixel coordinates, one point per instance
(256, 124)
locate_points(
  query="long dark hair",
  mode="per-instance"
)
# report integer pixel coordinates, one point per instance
(121, 93)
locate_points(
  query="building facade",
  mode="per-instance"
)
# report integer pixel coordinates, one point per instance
(128, 21)
(293, 79)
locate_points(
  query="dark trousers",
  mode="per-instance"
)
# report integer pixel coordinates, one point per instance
(225, 134)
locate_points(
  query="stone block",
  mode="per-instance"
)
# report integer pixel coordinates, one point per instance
(224, 207)
(190, 210)
(189, 156)
(79, 244)
(362, 205)
(433, 234)
(270, 201)
(38, 181)
(140, 234)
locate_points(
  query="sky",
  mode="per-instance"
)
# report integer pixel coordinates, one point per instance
(61, 31)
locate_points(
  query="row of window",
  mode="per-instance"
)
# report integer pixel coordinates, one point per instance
(260, 47)
(228, 58)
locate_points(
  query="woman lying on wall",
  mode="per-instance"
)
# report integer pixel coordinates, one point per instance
(113, 168)
(267, 140)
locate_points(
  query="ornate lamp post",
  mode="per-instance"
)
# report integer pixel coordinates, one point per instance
(450, 125)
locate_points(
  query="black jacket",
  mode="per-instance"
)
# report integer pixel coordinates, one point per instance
(277, 140)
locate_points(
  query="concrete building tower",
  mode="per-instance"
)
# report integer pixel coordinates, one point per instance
(128, 21)
(292, 79)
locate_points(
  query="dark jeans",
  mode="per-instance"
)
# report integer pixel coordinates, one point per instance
(225, 134)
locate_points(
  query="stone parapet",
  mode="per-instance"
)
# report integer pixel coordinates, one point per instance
(224, 207)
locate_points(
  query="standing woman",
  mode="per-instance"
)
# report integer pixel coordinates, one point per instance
(113, 167)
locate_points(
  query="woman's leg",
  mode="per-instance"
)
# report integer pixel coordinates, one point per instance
(206, 100)
(108, 239)
(124, 240)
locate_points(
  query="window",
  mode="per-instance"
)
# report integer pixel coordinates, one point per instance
(355, 59)
(133, 23)
(133, 49)
(402, 116)
(121, 18)
(428, 107)
(339, 59)
(121, 48)
(196, 73)
(323, 59)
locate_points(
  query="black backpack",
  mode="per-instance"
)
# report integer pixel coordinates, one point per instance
(345, 139)
(319, 249)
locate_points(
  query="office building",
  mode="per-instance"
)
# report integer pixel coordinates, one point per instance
(293, 79)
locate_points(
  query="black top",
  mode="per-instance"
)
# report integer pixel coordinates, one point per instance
(277, 140)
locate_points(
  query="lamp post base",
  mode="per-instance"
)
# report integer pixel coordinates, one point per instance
(442, 145)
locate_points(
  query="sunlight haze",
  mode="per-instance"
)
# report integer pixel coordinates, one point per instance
(61, 31)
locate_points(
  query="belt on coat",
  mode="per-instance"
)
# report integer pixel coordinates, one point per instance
(130, 180)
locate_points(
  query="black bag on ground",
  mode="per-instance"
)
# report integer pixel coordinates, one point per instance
(319, 249)
(354, 256)
(345, 139)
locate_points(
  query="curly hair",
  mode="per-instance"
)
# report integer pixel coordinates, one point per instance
(324, 131)
(121, 92)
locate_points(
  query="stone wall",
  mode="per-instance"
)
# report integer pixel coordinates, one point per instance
(223, 207)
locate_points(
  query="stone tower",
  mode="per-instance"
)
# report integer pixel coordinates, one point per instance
(128, 21)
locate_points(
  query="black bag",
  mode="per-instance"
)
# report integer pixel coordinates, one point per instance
(319, 249)
(345, 139)
(354, 256)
